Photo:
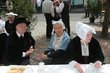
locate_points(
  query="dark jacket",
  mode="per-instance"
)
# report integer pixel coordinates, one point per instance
(15, 46)
(10, 27)
(74, 51)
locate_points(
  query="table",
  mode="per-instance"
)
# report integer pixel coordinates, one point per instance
(56, 69)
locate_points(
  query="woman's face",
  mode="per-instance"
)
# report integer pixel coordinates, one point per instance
(11, 18)
(58, 29)
(88, 37)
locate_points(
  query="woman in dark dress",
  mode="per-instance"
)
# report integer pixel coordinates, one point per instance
(9, 24)
(9, 28)
(84, 48)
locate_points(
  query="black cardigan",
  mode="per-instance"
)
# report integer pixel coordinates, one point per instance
(74, 51)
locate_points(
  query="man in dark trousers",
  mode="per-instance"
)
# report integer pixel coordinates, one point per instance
(19, 45)
(48, 10)
(63, 9)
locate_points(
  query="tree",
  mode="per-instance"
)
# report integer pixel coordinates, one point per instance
(106, 18)
(23, 8)
(94, 8)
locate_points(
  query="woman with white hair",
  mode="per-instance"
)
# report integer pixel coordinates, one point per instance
(84, 48)
(55, 52)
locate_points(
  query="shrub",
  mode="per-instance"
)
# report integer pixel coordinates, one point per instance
(23, 8)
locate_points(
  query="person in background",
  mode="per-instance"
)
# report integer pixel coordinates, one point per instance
(63, 9)
(56, 15)
(84, 48)
(19, 45)
(39, 6)
(8, 27)
(55, 53)
(48, 10)
(2, 31)
(9, 5)
(2, 25)
(87, 8)
(9, 24)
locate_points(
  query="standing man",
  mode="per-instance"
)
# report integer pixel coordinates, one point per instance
(19, 45)
(63, 9)
(48, 10)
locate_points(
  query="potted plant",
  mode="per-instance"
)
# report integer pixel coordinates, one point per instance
(95, 8)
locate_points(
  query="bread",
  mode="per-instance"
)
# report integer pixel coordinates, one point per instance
(16, 70)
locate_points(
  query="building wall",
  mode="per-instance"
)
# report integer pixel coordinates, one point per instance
(77, 2)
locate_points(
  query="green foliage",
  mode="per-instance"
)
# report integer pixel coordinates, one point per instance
(23, 8)
(94, 7)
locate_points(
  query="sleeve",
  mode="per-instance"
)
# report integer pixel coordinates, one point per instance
(32, 41)
(2, 24)
(64, 43)
(99, 54)
(43, 7)
(51, 41)
(60, 8)
(48, 50)
(6, 26)
(50, 47)
(52, 10)
(72, 63)
(56, 54)
(70, 50)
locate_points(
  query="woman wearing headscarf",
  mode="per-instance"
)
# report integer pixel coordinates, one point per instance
(84, 48)
(9, 24)
(7, 28)
(55, 52)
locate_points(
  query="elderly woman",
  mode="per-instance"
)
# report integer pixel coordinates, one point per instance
(60, 39)
(9, 24)
(84, 48)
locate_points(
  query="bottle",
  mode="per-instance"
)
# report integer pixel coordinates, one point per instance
(90, 68)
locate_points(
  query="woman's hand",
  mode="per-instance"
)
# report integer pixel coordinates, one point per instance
(79, 68)
(98, 64)
(42, 57)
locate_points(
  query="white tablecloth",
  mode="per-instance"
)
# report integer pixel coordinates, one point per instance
(56, 69)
